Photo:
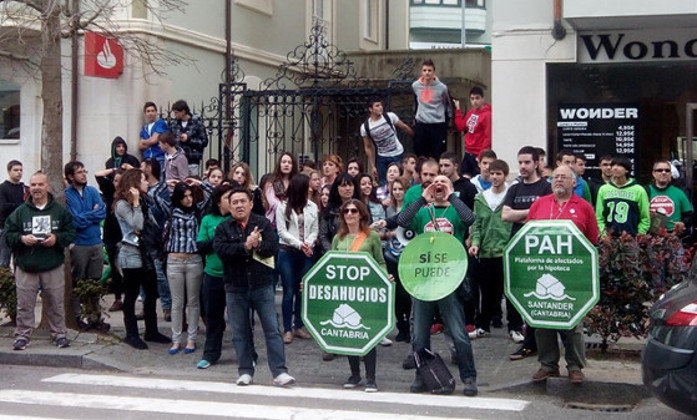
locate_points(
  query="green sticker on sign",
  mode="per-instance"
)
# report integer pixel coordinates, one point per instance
(432, 266)
(551, 274)
(348, 303)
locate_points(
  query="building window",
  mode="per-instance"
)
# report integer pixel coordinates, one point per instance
(368, 18)
(369, 22)
(9, 105)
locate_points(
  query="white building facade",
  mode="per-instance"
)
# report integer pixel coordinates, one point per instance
(262, 33)
(619, 82)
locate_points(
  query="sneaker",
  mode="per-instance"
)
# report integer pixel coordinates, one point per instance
(409, 362)
(371, 386)
(437, 329)
(141, 316)
(116, 306)
(20, 344)
(288, 337)
(352, 382)
(167, 315)
(522, 353)
(516, 336)
(403, 337)
(302, 333)
(245, 379)
(542, 374)
(481, 332)
(470, 387)
(82, 325)
(327, 357)
(385, 342)
(472, 334)
(203, 364)
(418, 385)
(576, 376)
(283, 379)
(62, 343)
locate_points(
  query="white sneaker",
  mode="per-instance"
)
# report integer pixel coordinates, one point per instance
(482, 332)
(385, 342)
(472, 335)
(244, 380)
(283, 379)
(516, 336)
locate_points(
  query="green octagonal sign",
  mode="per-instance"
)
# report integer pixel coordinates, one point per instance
(348, 303)
(551, 274)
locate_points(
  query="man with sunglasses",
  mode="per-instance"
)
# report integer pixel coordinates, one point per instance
(669, 200)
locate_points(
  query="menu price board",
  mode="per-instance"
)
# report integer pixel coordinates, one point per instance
(599, 129)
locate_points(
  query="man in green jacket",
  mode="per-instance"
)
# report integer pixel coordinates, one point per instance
(38, 232)
(489, 237)
(622, 205)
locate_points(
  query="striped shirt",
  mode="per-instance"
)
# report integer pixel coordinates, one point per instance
(183, 230)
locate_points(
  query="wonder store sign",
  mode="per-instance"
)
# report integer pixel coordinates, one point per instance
(633, 46)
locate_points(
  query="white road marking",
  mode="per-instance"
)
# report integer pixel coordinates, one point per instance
(503, 404)
(190, 407)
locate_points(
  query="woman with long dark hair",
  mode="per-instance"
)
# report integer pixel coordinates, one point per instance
(184, 266)
(297, 223)
(275, 190)
(242, 175)
(355, 235)
(131, 211)
(213, 289)
(344, 188)
(367, 196)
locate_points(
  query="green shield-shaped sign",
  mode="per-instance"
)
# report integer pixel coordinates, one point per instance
(551, 274)
(432, 266)
(348, 303)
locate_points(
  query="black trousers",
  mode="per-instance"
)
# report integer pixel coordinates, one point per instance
(116, 284)
(430, 139)
(489, 281)
(402, 305)
(133, 279)
(369, 360)
(214, 301)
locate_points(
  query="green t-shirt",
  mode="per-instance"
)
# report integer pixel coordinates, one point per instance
(447, 218)
(412, 194)
(214, 267)
(372, 245)
(670, 201)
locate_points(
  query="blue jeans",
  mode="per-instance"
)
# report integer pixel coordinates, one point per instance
(162, 285)
(382, 163)
(453, 316)
(293, 265)
(238, 305)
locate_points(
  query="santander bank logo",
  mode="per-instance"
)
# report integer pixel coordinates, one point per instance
(103, 56)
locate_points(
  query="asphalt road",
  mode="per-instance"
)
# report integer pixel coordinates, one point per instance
(40, 392)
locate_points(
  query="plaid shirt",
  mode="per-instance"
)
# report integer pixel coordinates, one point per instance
(183, 230)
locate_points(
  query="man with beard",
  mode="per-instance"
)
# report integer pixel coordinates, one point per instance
(563, 204)
(86, 257)
(516, 205)
(427, 173)
(438, 208)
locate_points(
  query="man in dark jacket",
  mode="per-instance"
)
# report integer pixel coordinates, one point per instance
(38, 232)
(119, 155)
(245, 243)
(191, 133)
(12, 193)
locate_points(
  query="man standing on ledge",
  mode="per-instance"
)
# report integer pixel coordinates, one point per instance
(432, 108)
(563, 204)
(150, 133)
(38, 232)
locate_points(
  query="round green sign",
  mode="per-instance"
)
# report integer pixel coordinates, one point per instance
(432, 266)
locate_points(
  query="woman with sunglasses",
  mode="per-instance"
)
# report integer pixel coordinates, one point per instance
(355, 235)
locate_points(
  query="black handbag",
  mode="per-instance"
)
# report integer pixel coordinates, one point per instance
(434, 373)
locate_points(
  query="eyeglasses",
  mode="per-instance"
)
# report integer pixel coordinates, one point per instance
(350, 211)
(662, 170)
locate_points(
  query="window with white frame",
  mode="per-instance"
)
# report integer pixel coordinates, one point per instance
(9, 106)
(370, 19)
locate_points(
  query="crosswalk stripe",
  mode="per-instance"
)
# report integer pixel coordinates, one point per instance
(190, 407)
(504, 404)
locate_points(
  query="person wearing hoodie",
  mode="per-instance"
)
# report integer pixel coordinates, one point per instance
(176, 164)
(477, 127)
(432, 108)
(623, 205)
(119, 155)
(38, 233)
(12, 195)
(489, 237)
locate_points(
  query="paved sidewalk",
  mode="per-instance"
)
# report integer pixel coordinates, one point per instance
(495, 371)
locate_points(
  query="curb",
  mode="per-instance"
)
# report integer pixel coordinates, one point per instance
(76, 360)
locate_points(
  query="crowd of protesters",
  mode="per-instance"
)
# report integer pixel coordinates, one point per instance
(200, 239)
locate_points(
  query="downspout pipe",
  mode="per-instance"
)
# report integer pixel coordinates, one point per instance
(558, 30)
(74, 79)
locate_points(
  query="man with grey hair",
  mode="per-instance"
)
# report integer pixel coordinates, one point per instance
(563, 204)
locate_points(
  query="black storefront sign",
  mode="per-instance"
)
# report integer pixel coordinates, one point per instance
(599, 129)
